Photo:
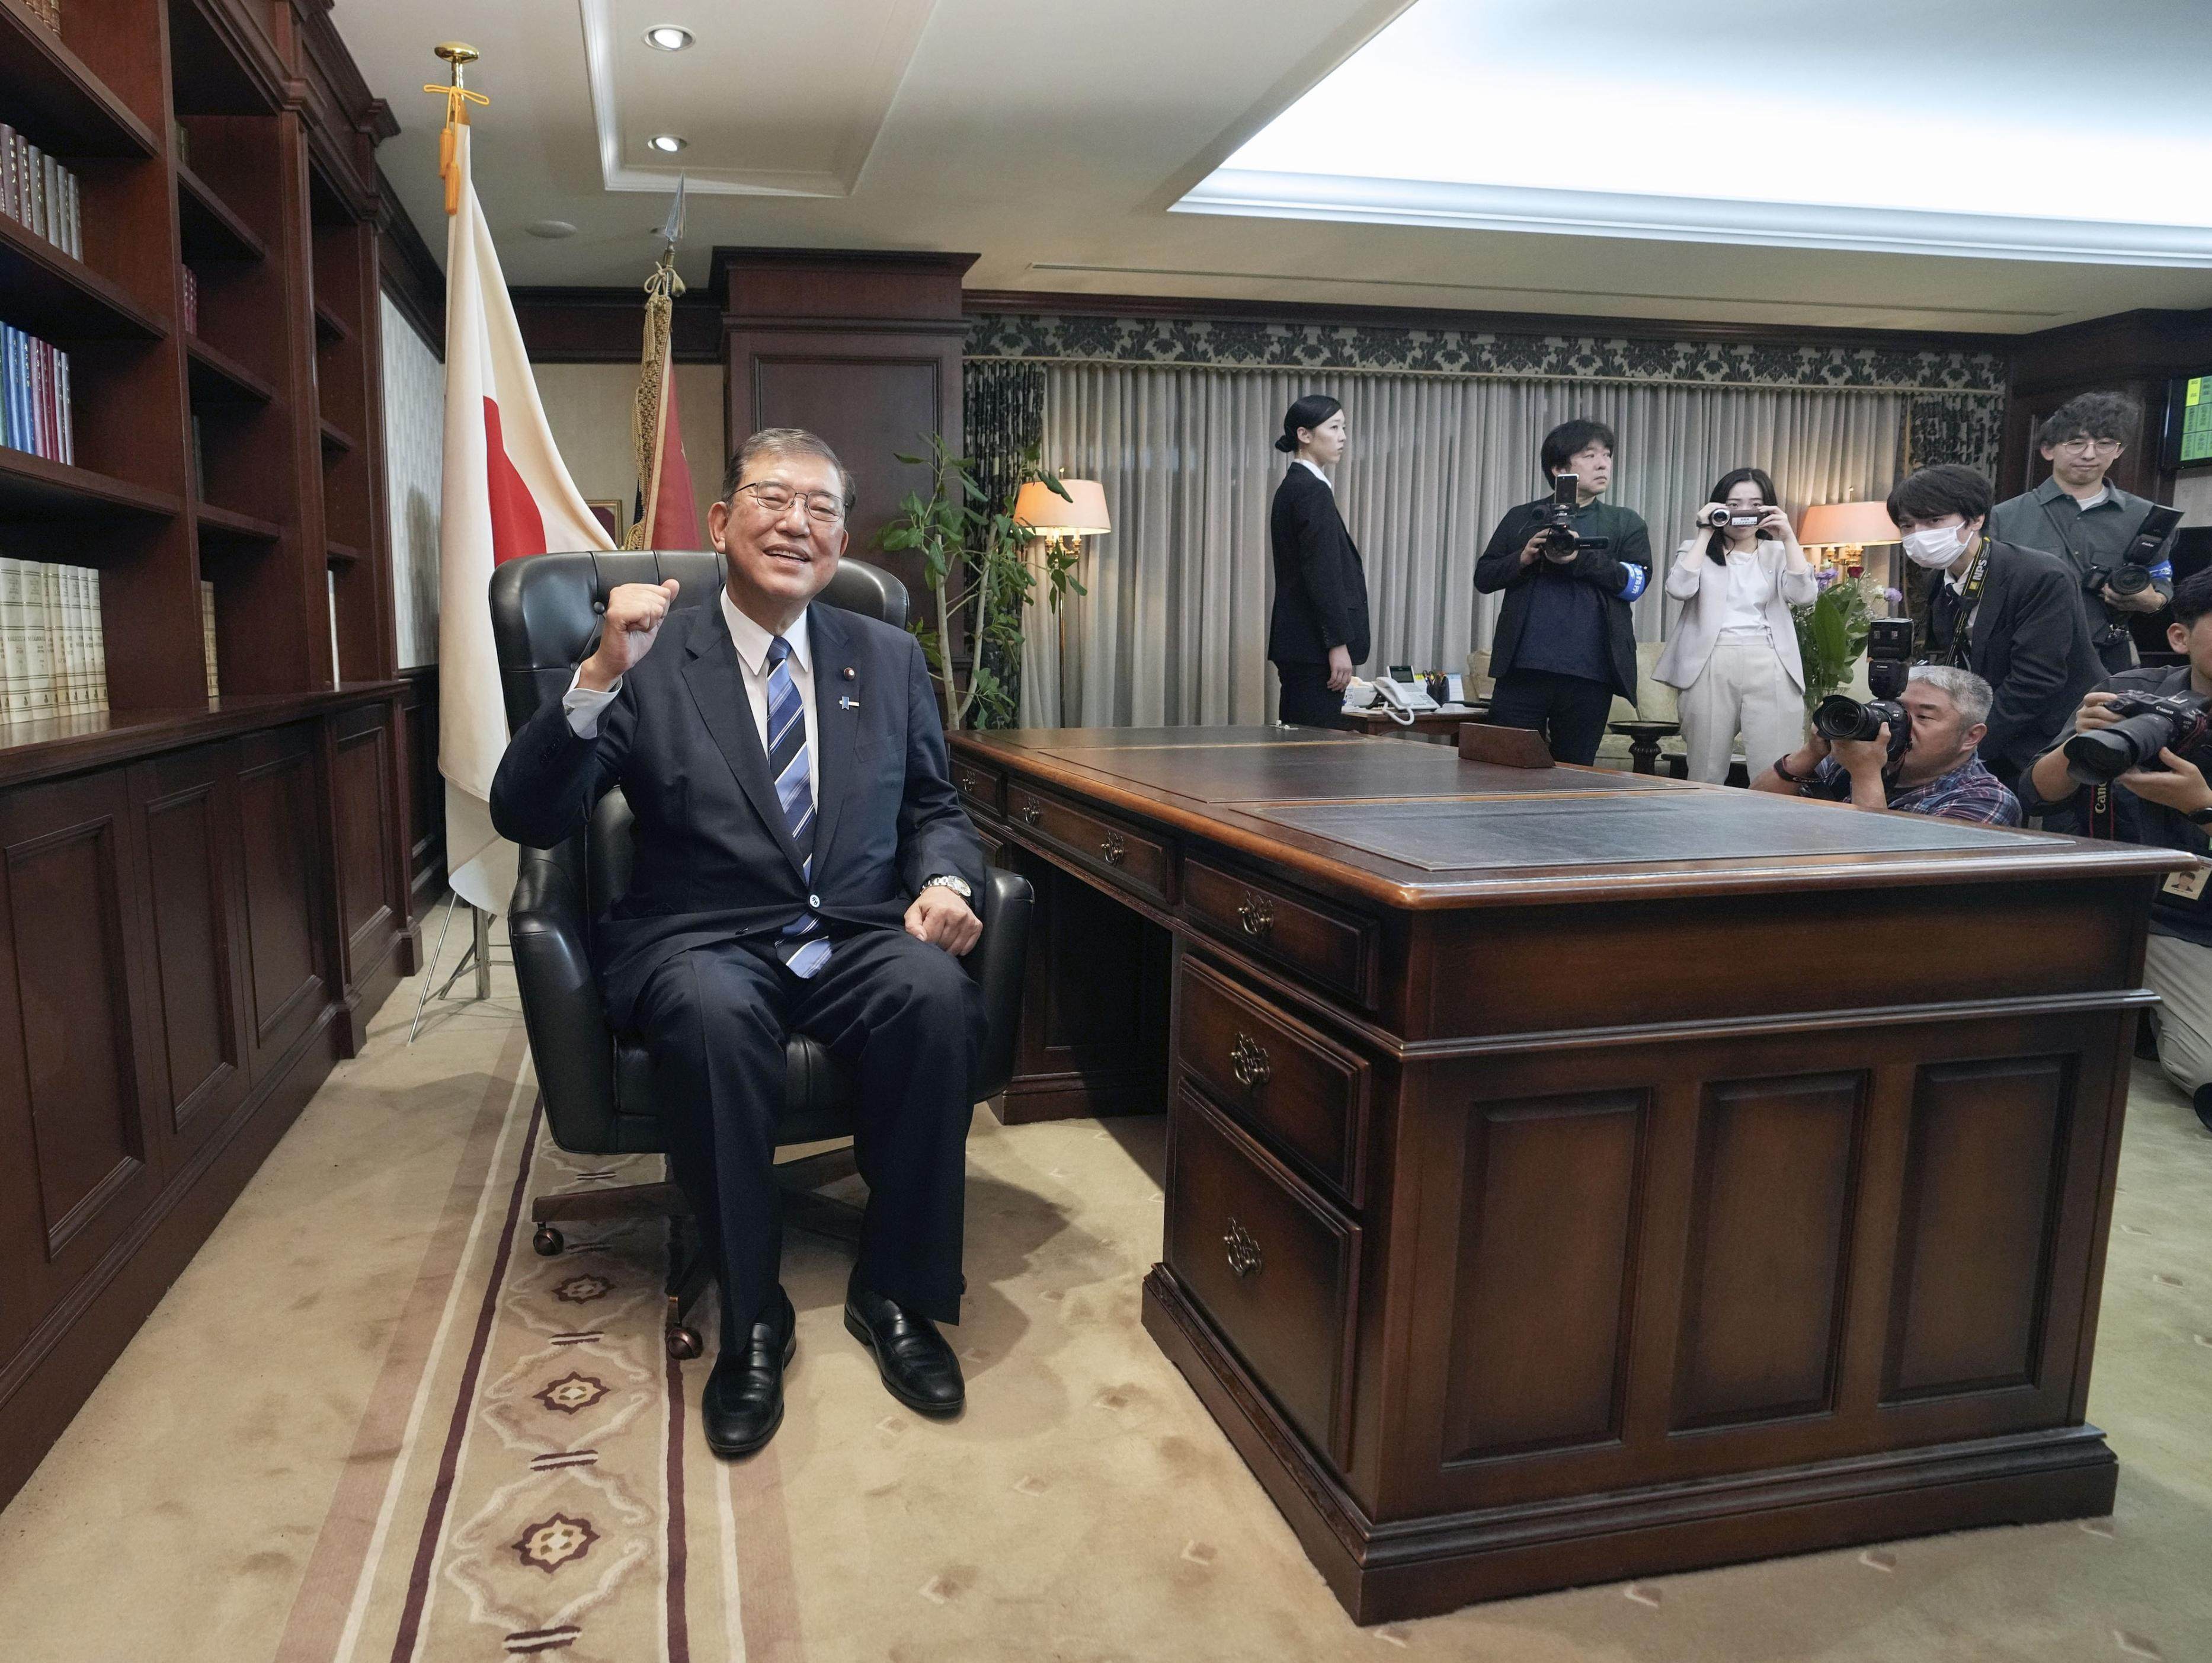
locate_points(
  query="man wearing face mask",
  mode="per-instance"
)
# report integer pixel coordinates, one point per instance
(2013, 616)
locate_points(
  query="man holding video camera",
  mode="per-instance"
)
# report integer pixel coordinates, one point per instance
(2012, 616)
(2117, 543)
(1570, 565)
(2133, 764)
(1919, 759)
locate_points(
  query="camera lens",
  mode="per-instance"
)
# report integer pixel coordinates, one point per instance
(2129, 580)
(2105, 754)
(1714, 517)
(1840, 716)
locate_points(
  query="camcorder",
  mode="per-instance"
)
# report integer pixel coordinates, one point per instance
(1717, 516)
(2149, 723)
(2135, 570)
(1559, 529)
(1889, 666)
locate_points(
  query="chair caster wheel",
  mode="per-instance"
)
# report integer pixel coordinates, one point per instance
(548, 1242)
(684, 1344)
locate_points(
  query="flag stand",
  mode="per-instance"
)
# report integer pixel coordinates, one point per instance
(477, 952)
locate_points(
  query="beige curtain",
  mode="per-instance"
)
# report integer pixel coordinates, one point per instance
(1174, 630)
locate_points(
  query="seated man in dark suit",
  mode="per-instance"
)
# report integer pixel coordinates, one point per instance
(802, 865)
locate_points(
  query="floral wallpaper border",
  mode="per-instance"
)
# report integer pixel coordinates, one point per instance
(1252, 345)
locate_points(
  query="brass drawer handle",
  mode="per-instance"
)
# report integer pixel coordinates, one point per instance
(1247, 1061)
(1112, 847)
(968, 783)
(1256, 915)
(1031, 813)
(1244, 1258)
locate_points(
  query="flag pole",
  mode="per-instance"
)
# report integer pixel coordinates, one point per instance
(648, 427)
(457, 97)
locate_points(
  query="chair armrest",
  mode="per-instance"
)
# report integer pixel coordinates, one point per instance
(549, 934)
(997, 962)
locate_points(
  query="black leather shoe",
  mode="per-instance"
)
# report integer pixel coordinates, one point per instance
(918, 1366)
(2201, 1100)
(742, 1404)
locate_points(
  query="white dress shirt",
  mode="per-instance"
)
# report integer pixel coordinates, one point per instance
(1314, 468)
(583, 704)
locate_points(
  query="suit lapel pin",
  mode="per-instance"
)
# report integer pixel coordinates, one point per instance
(843, 701)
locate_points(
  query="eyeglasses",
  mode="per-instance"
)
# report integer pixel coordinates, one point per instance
(775, 502)
(2086, 446)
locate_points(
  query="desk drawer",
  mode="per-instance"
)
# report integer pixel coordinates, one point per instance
(981, 786)
(1128, 857)
(1333, 949)
(1306, 1095)
(1274, 1266)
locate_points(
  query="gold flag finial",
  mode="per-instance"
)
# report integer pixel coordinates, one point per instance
(458, 97)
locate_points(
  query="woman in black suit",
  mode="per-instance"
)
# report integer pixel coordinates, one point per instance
(1319, 628)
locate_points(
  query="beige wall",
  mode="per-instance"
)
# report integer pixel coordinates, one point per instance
(588, 408)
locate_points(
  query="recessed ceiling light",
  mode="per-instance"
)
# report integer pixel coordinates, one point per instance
(668, 37)
(668, 143)
(550, 229)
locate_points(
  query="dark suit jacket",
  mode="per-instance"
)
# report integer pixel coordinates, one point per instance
(1320, 585)
(714, 859)
(2030, 641)
(1619, 574)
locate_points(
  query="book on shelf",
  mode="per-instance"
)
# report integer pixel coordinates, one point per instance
(53, 654)
(35, 410)
(207, 637)
(338, 670)
(37, 191)
(192, 302)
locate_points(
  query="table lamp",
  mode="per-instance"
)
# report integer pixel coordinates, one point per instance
(1057, 519)
(1846, 528)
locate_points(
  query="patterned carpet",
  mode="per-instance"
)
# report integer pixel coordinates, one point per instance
(461, 1451)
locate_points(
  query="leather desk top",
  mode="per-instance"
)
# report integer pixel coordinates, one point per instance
(1415, 826)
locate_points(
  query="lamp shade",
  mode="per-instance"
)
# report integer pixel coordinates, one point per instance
(1081, 513)
(1826, 524)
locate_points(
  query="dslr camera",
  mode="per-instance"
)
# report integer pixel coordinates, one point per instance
(2131, 574)
(1717, 517)
(1558, 531)
(2149, 723)
(1889, 666)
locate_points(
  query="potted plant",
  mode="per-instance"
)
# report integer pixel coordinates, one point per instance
(982, 567)
(1832, 631)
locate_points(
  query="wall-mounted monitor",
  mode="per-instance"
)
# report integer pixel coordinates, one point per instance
(2189, 424)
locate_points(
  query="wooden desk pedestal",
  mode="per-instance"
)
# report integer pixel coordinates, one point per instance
(1589, 1215)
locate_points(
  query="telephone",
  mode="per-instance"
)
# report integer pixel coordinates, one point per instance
(1401, 695)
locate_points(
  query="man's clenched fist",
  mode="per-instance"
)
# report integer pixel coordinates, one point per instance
(941, 918)
(634, 614)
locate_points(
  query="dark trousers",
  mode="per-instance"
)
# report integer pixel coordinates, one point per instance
(1307, 701)
(1569, 711)
(909, 1021)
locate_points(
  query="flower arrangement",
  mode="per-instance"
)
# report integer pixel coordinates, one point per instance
(1832, 631)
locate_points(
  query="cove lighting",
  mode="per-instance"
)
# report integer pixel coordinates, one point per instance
(1823, 127)
(667, 37)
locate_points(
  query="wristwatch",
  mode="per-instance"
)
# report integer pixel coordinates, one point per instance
(1782, 771)
(2200, 817)
(958, 886)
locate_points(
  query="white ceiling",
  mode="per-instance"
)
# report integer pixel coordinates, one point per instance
(1054, 139)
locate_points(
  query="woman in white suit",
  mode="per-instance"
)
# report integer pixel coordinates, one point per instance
(1734, 654)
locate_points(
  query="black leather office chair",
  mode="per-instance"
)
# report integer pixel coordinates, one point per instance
(596, 1084)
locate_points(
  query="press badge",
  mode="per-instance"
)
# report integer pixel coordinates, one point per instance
(2188, 885)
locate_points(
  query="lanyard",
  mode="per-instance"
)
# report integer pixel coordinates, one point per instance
(1970, 596)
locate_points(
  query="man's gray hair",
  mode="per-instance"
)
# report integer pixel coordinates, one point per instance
(1967, 691)
(783, 441)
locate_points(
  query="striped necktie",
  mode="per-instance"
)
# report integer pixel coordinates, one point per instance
(801, 943)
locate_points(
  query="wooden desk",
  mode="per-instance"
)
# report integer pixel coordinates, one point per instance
(1576, 1175)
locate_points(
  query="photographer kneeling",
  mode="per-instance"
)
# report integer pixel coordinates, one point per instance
(2142, 779)
(1934, 769)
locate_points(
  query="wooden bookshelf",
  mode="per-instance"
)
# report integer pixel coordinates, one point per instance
(217, 887)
